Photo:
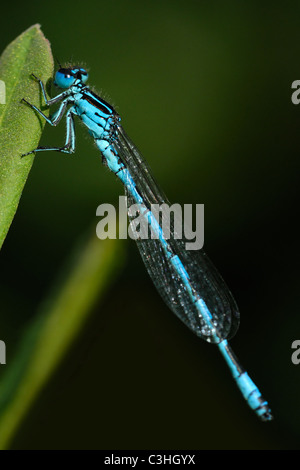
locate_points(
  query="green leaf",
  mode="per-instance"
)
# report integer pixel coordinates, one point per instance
(93, 266)
(20, 127)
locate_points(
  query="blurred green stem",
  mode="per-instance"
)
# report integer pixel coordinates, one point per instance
(55, 327)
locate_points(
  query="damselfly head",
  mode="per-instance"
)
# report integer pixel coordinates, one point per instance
(66, 77)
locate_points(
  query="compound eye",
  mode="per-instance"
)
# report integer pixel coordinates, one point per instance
(84, 75)
(81, 74)
(63, 78)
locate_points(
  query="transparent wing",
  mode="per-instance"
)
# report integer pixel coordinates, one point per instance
(204, 277)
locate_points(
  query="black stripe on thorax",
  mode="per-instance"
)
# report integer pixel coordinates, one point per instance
(98, 102)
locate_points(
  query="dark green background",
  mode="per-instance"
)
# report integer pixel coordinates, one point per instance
(204, 90)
